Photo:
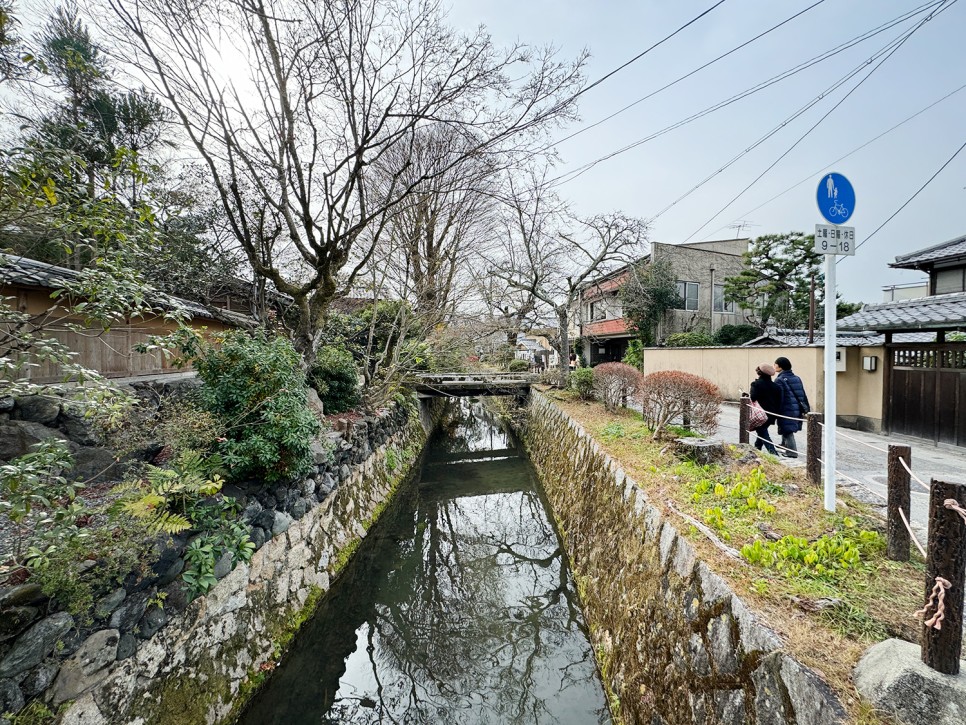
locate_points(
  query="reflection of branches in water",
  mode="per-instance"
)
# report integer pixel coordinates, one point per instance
(469, 425)
(490, 609)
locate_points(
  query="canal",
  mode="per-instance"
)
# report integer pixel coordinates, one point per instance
(459, 606)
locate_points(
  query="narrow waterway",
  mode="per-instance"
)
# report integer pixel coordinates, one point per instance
(458, 607)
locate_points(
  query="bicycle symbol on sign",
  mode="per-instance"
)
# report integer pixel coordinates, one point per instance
(837, 209)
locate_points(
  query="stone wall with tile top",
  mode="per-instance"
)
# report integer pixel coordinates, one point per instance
(674, 644)
(196, 661)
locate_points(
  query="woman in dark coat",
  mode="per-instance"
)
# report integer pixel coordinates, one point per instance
(769, 396)
(794, 405)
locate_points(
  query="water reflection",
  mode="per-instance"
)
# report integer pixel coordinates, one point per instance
(458, 608)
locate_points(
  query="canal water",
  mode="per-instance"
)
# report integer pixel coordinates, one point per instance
(459, 606)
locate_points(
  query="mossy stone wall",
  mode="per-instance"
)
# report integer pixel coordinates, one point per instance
(674, 644)
(204, 663)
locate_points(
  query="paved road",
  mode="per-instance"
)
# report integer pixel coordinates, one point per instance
(868, 466)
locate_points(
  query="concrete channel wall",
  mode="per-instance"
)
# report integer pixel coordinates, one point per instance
(206, 656)
(674, 644)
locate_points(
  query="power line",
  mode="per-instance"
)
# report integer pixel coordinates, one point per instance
(640, 55)
(896, 44)
(812, 175)
(909, 200)
(575, 173)
(677, 80)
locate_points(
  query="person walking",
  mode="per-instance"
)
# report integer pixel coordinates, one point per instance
(794, 405)
(768, 395)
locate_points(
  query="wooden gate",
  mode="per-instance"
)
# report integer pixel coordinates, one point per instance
(926, 392)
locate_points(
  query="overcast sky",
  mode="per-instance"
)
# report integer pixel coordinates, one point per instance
(645, 180)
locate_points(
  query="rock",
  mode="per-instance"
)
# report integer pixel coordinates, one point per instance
(94, 464)
(344, 472)
(21, 595)
(299, 508)
(152, 621)
(19, 436)
(86, 667)
(314, 402)
(258, 536)
(251, 511)
(223, 566)
(813, 700)
(894, 679)
(173, 572)
(11, 698)
(700, 663)
(130, 611)
(77, 426)
(109, 603)
(30, 648)
(176, 597)
(6, 404)
(39, 679)
(39, 409)
(729, 707)
(320, 452)
(15, 620)
(126, 646)
(282, 523)
(307, 487)
(326, 484)
(722, 644)
(265, 520)
(769, 698)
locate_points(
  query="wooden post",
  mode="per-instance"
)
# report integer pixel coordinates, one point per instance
(813, 447)
(897, 546)
(947, 559)
(744, 402)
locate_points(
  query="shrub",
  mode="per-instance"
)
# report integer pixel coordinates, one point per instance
(335, 378)
(614, 383)
(670, 395)
(256, 390)
(689, 339)
(582, 382)
(635, 354)
(736, 334)
(518, 366)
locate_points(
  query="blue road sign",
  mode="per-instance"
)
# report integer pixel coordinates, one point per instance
(836, 198)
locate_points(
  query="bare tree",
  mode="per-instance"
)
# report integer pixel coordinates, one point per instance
(333, 87)
(554, 265)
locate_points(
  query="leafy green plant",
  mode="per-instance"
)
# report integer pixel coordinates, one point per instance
(256, 390)
(735, 334)
(689, 339)
(165, 498)
(828, 557)
(336, 379)
(612, 431)
(635, 354)
(582, 383)
(203, 554)
(38, 498)
(518, 366)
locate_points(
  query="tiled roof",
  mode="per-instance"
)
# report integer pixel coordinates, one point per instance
(798, 338)
(946, 250)
(25, 271)
(939, 312)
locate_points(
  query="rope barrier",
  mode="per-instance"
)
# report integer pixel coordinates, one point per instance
(776, 445)
(914, 476)
(857, 440)
(953, 505)
(937, 596)
(905, 521)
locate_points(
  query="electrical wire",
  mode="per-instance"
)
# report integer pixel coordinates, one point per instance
(794, 70)
(896, 44)
(687, 75)
(812, 175)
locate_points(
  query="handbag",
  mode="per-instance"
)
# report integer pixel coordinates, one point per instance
(757, 416)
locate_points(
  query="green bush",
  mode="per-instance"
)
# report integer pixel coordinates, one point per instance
(256, 390)
(518, 366)
(690, 339)
(582, 382)
(335, 378)
(736, 334)
(635, 354)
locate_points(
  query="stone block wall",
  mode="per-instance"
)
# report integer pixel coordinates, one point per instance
(196, 661)
(674, 644)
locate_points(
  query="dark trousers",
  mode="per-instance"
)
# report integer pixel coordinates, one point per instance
(763, 439)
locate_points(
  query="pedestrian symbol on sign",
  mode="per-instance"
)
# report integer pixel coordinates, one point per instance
(836, 198)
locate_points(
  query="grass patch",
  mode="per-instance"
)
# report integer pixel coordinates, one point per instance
(819, 579)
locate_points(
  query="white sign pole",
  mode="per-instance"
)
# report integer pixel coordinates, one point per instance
(829, 430)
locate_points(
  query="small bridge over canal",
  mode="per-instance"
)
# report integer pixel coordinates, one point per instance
(465, 385)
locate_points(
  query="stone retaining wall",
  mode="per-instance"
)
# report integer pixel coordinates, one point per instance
(196, 662)
(675, 645)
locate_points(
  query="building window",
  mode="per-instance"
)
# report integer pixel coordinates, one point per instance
(950, 280)
(688, 292)
(720, 303)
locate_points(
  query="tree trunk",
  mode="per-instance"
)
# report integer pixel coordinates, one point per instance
(563, 351)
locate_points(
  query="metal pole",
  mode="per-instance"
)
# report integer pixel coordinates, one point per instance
(829, 447)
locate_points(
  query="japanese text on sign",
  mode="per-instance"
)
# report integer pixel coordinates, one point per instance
(833, 239)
